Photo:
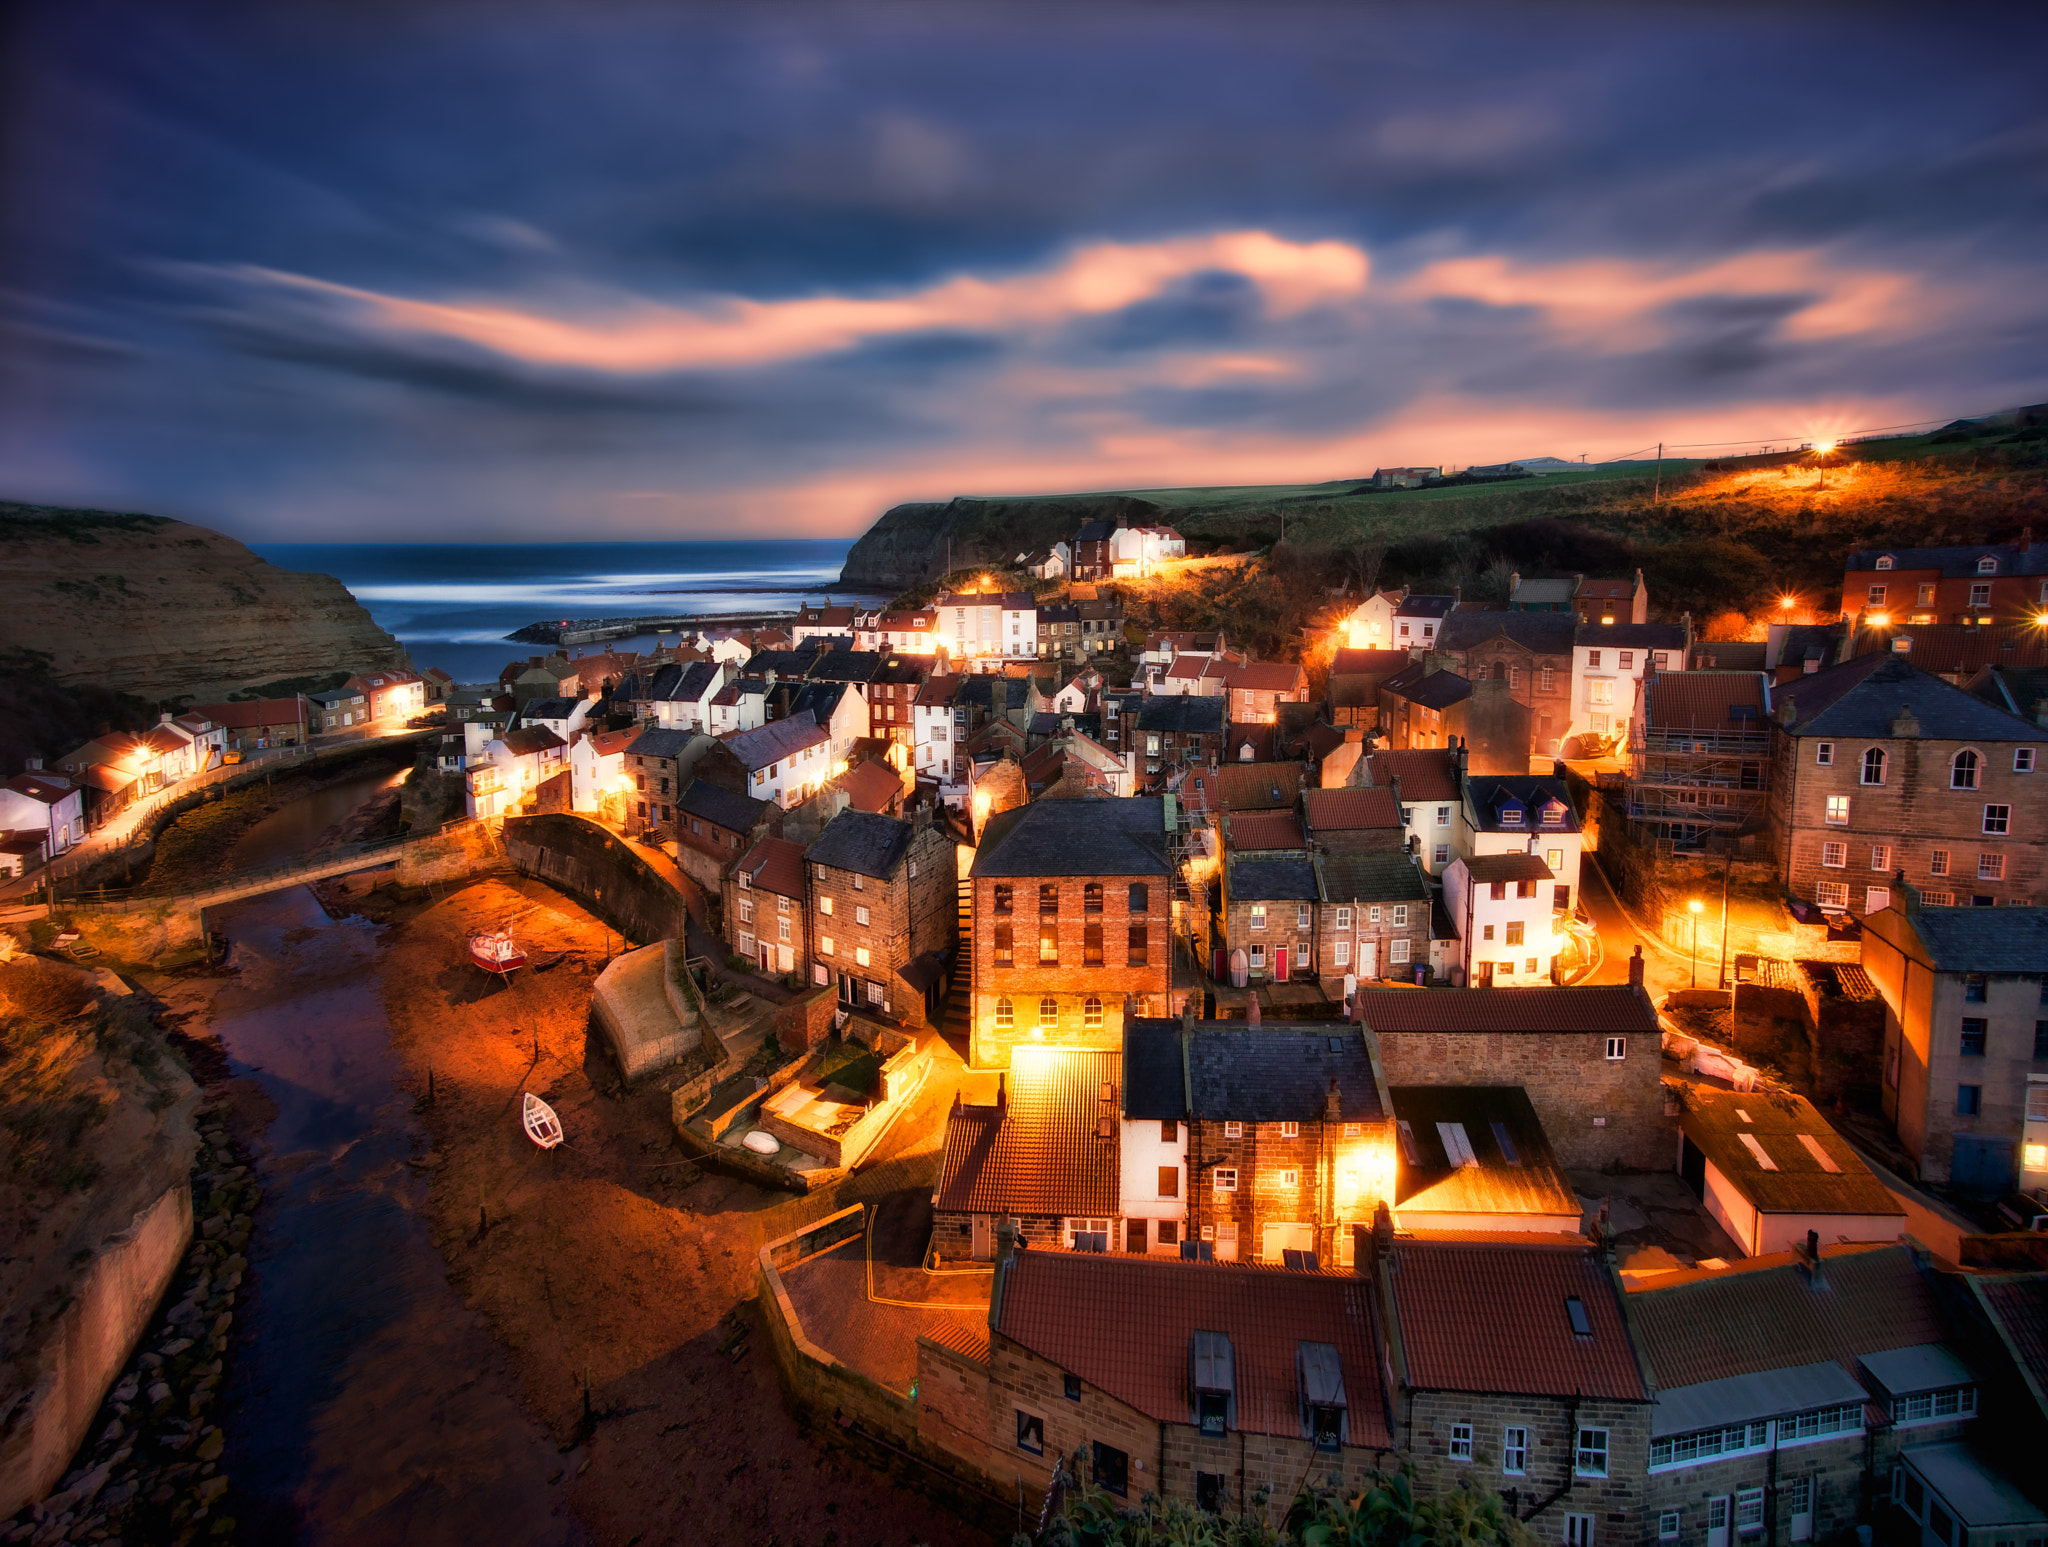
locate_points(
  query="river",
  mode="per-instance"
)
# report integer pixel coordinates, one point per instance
(367, 1403)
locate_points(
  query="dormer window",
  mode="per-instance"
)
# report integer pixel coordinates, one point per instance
(1215, 1381)
(1987, 565)
(1553, 815)
(1511, 816)
(1884, 561)
(1320, 1377)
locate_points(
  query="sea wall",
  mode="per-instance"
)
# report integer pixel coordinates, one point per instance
(600, 869)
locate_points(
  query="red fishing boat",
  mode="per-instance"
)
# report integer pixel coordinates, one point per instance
(498, 952)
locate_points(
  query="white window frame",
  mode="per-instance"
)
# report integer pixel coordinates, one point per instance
(1461, 1442)
(1224, 1179)
(1836, 812)
(1824, 754)
(1591, 1456)
(1832, 894)
(1514, 1451)
(1233, 1130)
(1617, 1049)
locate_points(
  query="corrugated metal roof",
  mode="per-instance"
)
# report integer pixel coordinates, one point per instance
(1126, 1325)
(1491, 1317)
(1603, 1008)
(1521, 1176)
(1040, 1152)
(1745, 1398)
(1779, 1124)
(1975, 1494)
(1923, 1367)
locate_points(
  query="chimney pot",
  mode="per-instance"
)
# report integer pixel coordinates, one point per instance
(1635, 970)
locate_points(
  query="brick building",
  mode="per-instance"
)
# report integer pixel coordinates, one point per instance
(1254, 689)
(1423, 706)
(1268, 916)
(1990, 582)
(712, 827)
(1526, 814)
(1172, 730)
(1256, 1141)
(1590, 1058)
(1358, 819)
(1353, 691)
(765, 915)
(658, 763)
(892, 694)
(1878, 767)
(1072, 912)
(882, 913)
(1515, 1372)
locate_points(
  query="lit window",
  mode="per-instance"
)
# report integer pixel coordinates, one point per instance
(1290, 1130)
(860, 917)
(860, 955)
(825, 906)
(1048, 1012)
(1091, 1012)
(1258, 915)
(1006, 1014)
(824, 945)
(1838, 811)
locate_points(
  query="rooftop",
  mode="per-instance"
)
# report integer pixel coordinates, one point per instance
(1352, 808)
(1426, 773)
(1536, 797)
(737, 813)
(1271, 879)
(771, 743)
(871, 786)
(1432, 689)
(1505, 1164)
(1368, 663)
(1979, 939)
(1390, 876)
(1254, 830)
(1182, 713)
(1861, 697)
(1593, 1008)
(1507, 867)
(1076, 838)
(655, 742)
(1043, 1148)
(1251, 1074)
(864, 842)
(774, 865)
(1260, 786)
(1546, 633)
(1957, 561)
(1705, 701)
(1780, 1153)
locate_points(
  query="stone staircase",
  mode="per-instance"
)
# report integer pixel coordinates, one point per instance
(957, 1007)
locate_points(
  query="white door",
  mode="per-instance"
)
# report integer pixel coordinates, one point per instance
(1226, 1243)
(1280, 1238)
(1368, 958)
(1717, 1522)
(984, 1237)
(1799, 1504)
(1578, 1531)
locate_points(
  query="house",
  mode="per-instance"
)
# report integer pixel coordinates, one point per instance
(1965, 1039)
(1429, 783)
(1253, 689)
(684, 701)
(1372, 918)
(882, 919)
(1353, 691)
(826, 622)
(1094, 551)
(1174, 730)
(1423, 705)
(1526, 815)
(1359, 819)
(1957, 651)
(1985, 583)
(543, 676)
(713, 825)
(1542, 593)
(1515, 1372)
(2020, 690)
(937, 753)
(1404, 477)
(1608, 667)
(1161, 650)
(439, 684)
(970, 624)
(892, 693)
(261, 723)
(661, 764)
(1605, 600)
(1136, 551)
(564, 716)
(1699, 755)
(1419, 620)
(1254, 1143)
(1044, 1154)
(1268, 917)
(897, 633)
(837, 707)
(740, 705)
(1047, 563)
(46, 807)
(598, 780)
(872, 786)
(764, 905)
(1073, 765)
(1590, 1058)
(1878, 768)
(1501, 905)
(1532, 652)
(392, 694)
(1260, 786)
(1370, 625)
(1102, 620)
(1769, 1169)
(512, 769)
(1474, 1157)
(784, 762)
(1059, 631)
(1071, 920)
(337, 709)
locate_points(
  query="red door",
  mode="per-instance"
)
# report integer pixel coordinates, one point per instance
(1279, 964)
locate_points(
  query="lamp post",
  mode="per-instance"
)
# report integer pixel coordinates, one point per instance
(1695, 906)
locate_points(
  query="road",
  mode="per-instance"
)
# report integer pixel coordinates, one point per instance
(1663, 968)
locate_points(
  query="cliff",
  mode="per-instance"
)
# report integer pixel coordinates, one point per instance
(161, 609)
(911, 544)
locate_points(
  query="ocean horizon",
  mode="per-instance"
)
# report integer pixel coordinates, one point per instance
(452, 604)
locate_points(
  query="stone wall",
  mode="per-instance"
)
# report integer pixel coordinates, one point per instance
(599, 869)
(1615, 1501)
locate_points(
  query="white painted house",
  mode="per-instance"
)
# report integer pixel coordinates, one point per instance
(1609, 663)
(787, 761)
(46, 806)
(1500, 905)
(1153, 1158)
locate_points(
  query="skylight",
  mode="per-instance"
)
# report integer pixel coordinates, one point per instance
(1575, 1311)
(1827, 1161)
(1457, 1144)
(1763, 1158)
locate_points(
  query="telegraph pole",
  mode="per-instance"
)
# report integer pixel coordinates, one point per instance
(1657, 494)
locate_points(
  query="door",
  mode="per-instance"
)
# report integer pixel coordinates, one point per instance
(1692, 1167)
(1226, 1242)
(1799, 1504)
(1578, 1531)
(1279, 964)
(1982, 1165)
(1482, 975)
(984, 1237)
(1717, 1522)
(1283, 1238)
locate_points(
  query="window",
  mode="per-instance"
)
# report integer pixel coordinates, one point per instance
(1962, 771)
(1937, 863)
(1091, 1016)
(1592, 1453)
(1997, 819)
(1838, 811)
(1226, 1178)
(1593, 659)
(1876, 898)
(859, 884)
(1880, 856)
(1343, 918)
(782, 930)
(1600, 691)
(1873, 766)
(1030, 1432)
(1443, 816)
(1002, 900)
(1091, 897)
(2023, 760)
(1969, 1100)
(1884, 561)
(1617, 1049)
(1091, 945)
(1938, 899)
(1824, 753)
(1628, 660)
(1005, 946)
(1668, 1524)
(1210, 1492)
(1135, 949)
(860, 955)
(1706, 1444)
(1006, 1014)
(2040, 1047)
(746, 910)
(1290, 1130)
(825, 906)
(1877, 596)
(1048, 941)
(1397, 952)
(1514, 935)
(1974, 1029)
(1048, 901)
(1400, 918)
(1990, 867)
(1578, 1531)
(1514, 1451)
(825, 946)
(1112, 1469)
(1834, 855)
(1169, 1181)
(1048, 1012)
(1934, 1406)
(1832, 894)
(1976, 989)
(1301, 917)
(860, 917)
(1072, 1387)
(1442, 855)
(1749, 1511)
(1233, 1130)
(1461, 1442)
(1258, 920)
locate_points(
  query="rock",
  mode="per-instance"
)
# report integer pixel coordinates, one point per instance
(222, 1322)
(162, 1493)
(236, 1265)
(212, 1488)
(175, 1347)
(125, 1392)
(211, 1444)
(160, 1392)
(181, 1313)
(214, 1228)
(118, 1495)
(150, 1361)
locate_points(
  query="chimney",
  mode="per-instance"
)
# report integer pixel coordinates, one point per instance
(1332, 1107)
(1905, 895)
(2026, 539)
(1354, 734)
(1905, 723)
(1003, 1094)
(1382, 1229)
(1808, 1253)
(1788, 712)
(1635, 971)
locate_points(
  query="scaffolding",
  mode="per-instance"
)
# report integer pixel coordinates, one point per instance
(1690, 791)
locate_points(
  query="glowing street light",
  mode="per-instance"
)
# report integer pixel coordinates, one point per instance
(1695, 906)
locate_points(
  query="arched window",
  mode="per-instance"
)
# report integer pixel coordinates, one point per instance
(1962, 773)
(1884, 561)
(1006, 1014)
(1048, 1012)
(1873, 766)
(1091, 1012)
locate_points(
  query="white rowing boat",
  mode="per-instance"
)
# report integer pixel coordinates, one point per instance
(542, 1126)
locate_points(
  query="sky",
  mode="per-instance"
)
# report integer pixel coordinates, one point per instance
(522, 271)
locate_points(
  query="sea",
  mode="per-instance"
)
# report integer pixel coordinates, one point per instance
(452, 604)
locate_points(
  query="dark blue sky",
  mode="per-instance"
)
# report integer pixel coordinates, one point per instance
(396, 271)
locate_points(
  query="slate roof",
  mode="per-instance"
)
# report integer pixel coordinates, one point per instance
(1532, 792)
(846, 666)
(1983, 939)
(775, 865)
(1260, 786)
(784, 663)
(1528, 1181)
(1765, 1313)
(1490, 1316)
(736, 813)
(1040, 1151)
(1778, 1122)
(1426, 773)
(537, 738)
(1047, 723)
(1126, 1326)
(1368, 663)
(1730, 654)
(865, 842)
(940, 690)
(1703, 700)
(1632, 636)
(1271, 879)
(1182, 713)
(1602, 1008)
(1388, 877)
(1431, 689)
(2015, 689)
(1507, 867)
(1247, 1074)
(550, 709)
(1076, 838)
(1253, 830)
(1349, 809)
(770, 743)
(1546, 633)
(1425, 605)
(1095, 532)
(694, 681)
(1859, 699)
(657, 742)
(1955, 562)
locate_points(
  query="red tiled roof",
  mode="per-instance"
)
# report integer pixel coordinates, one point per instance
(1700, 700)
(1259, 786)
(1426, 773)
(1767, 1314)
(940, 690)
(1266, 830)
(1264, 677)
(1369, 663)
(871, 786)
(1125, 1325)
(1187, 668)
(41, 787)
(605, 743)
(164, 739)
(1942, 647)
(1476, 1316)
(1616, 1007)
(1347, 808)
(775, 865)
(1041, 1152)
(250, 716)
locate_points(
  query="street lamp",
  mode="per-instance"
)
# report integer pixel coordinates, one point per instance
(1695, 906)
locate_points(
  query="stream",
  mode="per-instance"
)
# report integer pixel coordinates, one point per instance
(367, 1403)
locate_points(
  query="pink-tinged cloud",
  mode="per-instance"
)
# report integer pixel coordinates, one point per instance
(631, 335)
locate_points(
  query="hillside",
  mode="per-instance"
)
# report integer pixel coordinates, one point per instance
(159, 609)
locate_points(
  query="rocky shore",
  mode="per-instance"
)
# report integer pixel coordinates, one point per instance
(154, 1470)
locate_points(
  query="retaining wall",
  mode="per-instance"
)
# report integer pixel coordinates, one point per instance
(601, 870)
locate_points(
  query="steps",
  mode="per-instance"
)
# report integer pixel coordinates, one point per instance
(956, 1017)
